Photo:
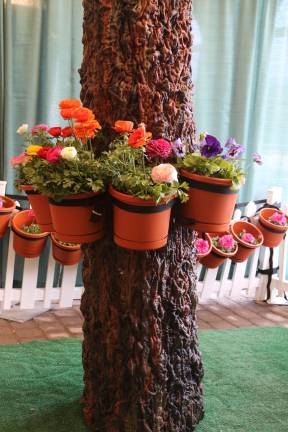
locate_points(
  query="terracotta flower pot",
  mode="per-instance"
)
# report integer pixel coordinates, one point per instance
(139, 224)
(65, 254)
(5, 213)
(273, 234)
(211, 202)
(216, 256)
(245, 249)
(205, 236)
(25, 244)
(78, 218)
(40, 205)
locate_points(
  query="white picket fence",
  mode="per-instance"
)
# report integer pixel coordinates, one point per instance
(60, 289)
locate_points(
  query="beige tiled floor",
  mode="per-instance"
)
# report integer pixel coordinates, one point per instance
(224, 314)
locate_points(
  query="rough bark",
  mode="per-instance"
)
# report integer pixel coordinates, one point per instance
(142, 367)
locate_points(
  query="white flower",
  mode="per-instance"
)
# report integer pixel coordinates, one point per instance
(22, 129)
(164, 173)
(69, 153)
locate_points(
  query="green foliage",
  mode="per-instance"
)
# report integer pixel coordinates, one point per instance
(215, 167)
(33, 228)
(129, 171)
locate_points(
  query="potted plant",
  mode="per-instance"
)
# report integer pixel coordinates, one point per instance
(68, 175)
(7, 205)
(248, 237)
(28, 240)
(273, 224)
(142, 186)
(203, 245)
(65, 253)
(214, 176)
(223, 246)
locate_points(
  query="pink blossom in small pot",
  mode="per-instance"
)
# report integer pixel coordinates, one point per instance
(225, 243)
(249, 238)
(278, 218)
(202, 247)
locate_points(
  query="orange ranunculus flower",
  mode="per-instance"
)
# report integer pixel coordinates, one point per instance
(69, 103)
(83, 114)
(84, 133)
(67, 113)
(92, 124)
(139, 137)
(123, 126)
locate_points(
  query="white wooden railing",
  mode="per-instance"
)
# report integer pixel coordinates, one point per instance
(60, 289)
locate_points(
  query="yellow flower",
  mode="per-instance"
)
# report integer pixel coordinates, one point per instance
(33, 150)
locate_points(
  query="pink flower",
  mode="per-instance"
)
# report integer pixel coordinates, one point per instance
(248, 238)
(19, 160)
(226, 242)
(53, 154)
(31, 214)
(38, 127)
(202, 246)
(278, 218)
(158, 148)
(1, 203)
(164, 173)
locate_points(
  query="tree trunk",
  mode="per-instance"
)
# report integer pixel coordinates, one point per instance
(142, 367)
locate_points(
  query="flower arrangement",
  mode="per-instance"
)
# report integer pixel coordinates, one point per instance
(278, 218)
(249, 238)
(224, 243)
(209, 158)
(138, 165)
(59, 161)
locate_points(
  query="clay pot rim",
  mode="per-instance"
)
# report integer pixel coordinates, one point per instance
(205, 179)
(26, 187)
(270, 224)
(242, 242)
(133, 200)
(218, 251)
(10, 202)
(76, 196)
(208, 238)
(17, 230)
(63, 247)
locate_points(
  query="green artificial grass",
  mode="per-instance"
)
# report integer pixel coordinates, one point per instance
(246, 383)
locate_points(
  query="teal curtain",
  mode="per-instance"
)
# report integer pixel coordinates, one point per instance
(41, 51)
(240, 66)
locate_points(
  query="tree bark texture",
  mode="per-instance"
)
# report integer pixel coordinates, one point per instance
(142, 366)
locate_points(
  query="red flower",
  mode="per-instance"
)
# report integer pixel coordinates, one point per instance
(55, 131)
(43, 152)
(67, 132)
(159, 148)
(53, 154)
(123, 126)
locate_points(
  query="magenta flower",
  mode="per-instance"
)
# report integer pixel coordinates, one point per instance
(38, 127)
(202, 246)
(278, 218)
(226, 242)
(19, 159)
(159, 148)
(53, 154)
(248, 238)
(210, 147)
(31, 213)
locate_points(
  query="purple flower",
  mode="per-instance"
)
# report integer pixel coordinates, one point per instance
(234, 149)
(257, 158)
(179, 148)
(210, 147)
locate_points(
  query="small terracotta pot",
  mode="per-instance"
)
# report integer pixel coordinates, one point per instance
(25, 244)
(79, 218)
(216, 256)
(245, 249)
(5, 213)
(205, 236)
(139, 224)
(64, 254)
(211, 202)
(273, 234)
(40, 206)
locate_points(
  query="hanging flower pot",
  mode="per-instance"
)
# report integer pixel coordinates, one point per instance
(7, 206)
(40, 205)
(139, 224)
(65, 253)
(203, 245)
(211, 202)
(273, 224)
(248, 237)
(223, 246)
(28, 240)
(78, 218)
